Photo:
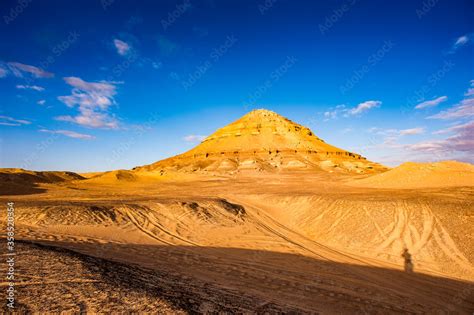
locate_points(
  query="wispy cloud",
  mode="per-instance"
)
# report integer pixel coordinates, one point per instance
(68, 133)
(3, 72)
(431, 103)
(19, 69)
(470, 91)
(122, 47)
(334, 112)
(10, 121)
(343, 110)
(460, 42)
(461, 141)
(394, 133)
(411, 132)
(454, 128)
(41, 102)
(30, 87)
(93, 100)
(463, 109)
(458, 144)
(194, 138)
(363, 107)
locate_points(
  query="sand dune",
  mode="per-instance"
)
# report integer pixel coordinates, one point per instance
(416, 175)
(112, 176)
(16, 181)
(21, 175)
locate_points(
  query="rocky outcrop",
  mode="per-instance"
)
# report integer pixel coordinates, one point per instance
(263, 140)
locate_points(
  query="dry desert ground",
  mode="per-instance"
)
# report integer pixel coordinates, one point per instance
(262, 217)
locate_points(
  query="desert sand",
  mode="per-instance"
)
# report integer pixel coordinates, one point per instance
(261, 217)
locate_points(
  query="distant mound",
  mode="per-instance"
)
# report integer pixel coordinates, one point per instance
(418, 175)
(20, 175)
(91, 174)
(264, 141)
(113, 176)
(19, 181)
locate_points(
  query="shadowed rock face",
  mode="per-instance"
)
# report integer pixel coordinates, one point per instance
(265, 141)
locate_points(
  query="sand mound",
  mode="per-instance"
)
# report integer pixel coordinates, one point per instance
(418, 175)
(91, 174)
(274, 142)
(15, 181)
(114, 176)
(19, 175)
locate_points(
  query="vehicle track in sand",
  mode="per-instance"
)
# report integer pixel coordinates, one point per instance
(314, 249)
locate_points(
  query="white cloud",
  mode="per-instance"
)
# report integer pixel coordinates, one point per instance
(460, 42)
(68, 133)
(459, 144)
(470, 91)
(93, 100)
(41, 102)
(30, 87)
(334, 112)
(363, 107)
(431, 103)
(382, 132)
(461, 141)
(122, 47)
(395, 133)
(3, 72)
(453, 128)
(412, 131)
(10, 121)
(463, 109)
(18, 69)
(194, 138)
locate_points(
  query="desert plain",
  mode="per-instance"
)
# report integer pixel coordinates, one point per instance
(261, 217)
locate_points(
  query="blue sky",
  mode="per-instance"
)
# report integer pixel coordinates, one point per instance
(108, 84)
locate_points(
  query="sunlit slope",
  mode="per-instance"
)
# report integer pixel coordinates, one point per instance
(265, 141)
(418, 175)
(17, 181)
(340, 228)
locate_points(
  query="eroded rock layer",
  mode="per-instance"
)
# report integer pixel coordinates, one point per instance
(262, 140)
